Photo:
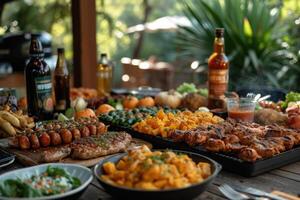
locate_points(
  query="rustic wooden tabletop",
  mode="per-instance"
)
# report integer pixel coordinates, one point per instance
(286, 179)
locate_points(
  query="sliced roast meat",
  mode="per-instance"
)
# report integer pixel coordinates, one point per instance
(96, 146)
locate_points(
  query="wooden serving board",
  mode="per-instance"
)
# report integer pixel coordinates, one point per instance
(30, 157)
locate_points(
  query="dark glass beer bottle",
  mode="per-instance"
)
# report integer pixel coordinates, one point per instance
(38, 83)
(104, 76)
(61, 82)
(218, 65)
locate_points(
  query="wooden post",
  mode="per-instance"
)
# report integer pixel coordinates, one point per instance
(84, 42)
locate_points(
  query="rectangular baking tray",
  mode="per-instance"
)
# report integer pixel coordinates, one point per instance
(229, 163)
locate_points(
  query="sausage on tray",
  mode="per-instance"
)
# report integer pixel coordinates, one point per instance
(24, 142)
(66, 136)
(92, 129)
(55, 138)
(45, 139)
(85, 132)
(57, 133)
(75, 133)
(34, 141)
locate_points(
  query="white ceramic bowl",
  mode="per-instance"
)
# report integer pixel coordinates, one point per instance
(84, 174)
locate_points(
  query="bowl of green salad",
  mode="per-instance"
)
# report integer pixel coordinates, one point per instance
(44, 182)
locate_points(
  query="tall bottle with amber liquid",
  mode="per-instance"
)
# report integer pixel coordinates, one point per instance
(218, 68)
(38, 83)
(61, 82)
(104, 76)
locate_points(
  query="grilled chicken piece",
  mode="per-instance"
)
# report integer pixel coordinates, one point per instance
(264, 150)
(177, 135)
(276, 143)
(231, 139)
(296, 135)
(249, 154)
(249, 140)
(234, 147)
(215, 145)
(288, 141)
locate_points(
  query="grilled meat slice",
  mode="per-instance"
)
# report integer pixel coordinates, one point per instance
(231, 139)
(296, 135)
(96, 146)
(275, 131)
(53, 154)
(248, 139)
(288, 141)
(276, 143)
(264, 150)
(234, 147)
(177, 135)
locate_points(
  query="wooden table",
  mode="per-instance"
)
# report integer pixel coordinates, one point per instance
(285, 179)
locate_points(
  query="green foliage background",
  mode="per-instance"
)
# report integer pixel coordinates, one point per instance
(258, 40)
(115, 16)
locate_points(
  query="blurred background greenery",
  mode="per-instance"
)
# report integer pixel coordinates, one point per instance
(262, 37)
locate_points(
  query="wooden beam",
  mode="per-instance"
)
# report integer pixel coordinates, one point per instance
(84, 42)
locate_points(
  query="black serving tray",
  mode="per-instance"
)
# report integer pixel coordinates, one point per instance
(228, 162)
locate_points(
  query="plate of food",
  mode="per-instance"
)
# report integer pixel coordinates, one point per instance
(159, 174)
(44, 182)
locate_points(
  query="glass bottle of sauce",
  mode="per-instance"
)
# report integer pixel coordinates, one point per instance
(38, 83)
(104, 76)
(61, 83)
(218, 65)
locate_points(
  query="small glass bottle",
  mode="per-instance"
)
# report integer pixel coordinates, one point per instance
(38, 83)
(61, 83)
(104, 76)
(218, 68)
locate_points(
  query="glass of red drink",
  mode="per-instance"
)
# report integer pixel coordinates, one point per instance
(241, 109)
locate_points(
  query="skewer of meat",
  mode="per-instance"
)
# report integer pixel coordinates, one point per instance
(45, 138)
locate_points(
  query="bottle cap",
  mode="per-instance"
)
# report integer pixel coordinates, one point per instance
(219, 32)
(36, 48)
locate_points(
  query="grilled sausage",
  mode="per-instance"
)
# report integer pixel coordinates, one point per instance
(66, 136)
(55, 138)
(44, 139)
(24, 142)
(75, 133)
(101, 128)
(85, 132)
(92, 129)
(34, 141)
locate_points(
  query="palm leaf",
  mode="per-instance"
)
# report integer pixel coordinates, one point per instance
(252, 37)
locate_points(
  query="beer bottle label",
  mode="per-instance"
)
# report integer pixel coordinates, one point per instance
(218, 80)
(44, 93)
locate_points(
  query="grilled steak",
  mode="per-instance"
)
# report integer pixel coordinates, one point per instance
(95, 146)
(54, 154)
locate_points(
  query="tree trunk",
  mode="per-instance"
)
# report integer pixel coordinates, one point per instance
(138, 46)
